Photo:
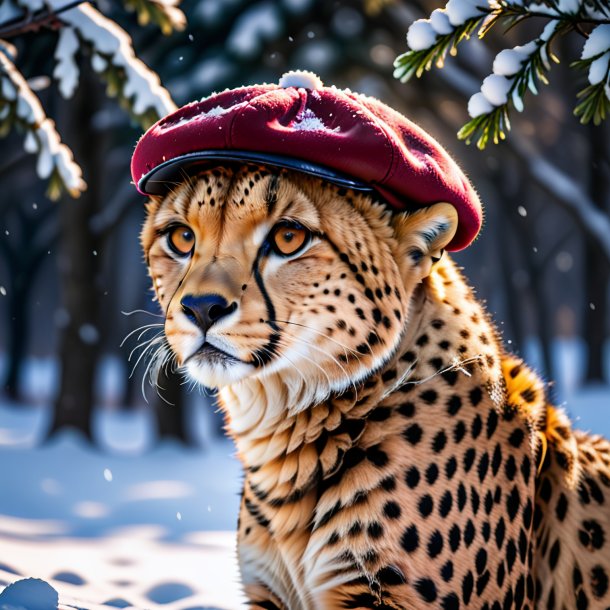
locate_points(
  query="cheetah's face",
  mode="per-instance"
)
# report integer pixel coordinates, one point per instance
(262, 272)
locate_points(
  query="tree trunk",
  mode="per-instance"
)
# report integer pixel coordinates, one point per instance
(78, 270)
(18, 333)
(597, 270)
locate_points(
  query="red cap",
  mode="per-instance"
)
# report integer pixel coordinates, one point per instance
(344, 137)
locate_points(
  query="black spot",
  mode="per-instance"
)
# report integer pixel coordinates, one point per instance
(492, 423)
(426, 589)
(451, 602)
(388, 375)
(355, 529)
(439, 441)
(454, 404)
(469, 533)
(375, 455)
(513, 501)
(432, 474)
(483, 466)
(469, 456)
(475, 396)
(474, 500)
(545, 490)
(459, 432)
(435, 544)
(554, 554)
(516, 438)
(500, 574)
(482, 582)
(445, 505)
(407, 409)
(429, 396)
(447, 571)
(449, 376)
(389, 483)
(461, 497)
(562, 507)
(450, 467)
(477, 425)
(599, 581)
(592, 535)
(467, 585)
(391, 510)
(500, 532)
(390, 576)
(413, 434)
(595, 490)
(489, 502)
(455, 537)
(412, 477)
(422, 340)
(425, 505)
(481, 560)
(510, 468)
(410, 539)
(486, 531)
(375, 530)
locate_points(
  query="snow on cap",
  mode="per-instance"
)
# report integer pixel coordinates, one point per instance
(343, 137)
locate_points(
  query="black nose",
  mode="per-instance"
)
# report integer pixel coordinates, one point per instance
(206, 309)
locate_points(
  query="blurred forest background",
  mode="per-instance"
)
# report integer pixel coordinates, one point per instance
(70, 269)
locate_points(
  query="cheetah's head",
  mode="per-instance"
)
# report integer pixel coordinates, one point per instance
(263, 272)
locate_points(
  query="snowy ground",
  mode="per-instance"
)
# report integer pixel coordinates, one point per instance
(118, 528)
(132, 525)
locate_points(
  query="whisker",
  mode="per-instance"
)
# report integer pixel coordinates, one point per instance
(144, 328)
(150, 313)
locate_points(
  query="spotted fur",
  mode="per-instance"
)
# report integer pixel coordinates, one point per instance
(395, 455)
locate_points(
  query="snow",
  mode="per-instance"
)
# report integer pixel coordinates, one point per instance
(569, 6)
(495, 89)
(66, 70)
(300, 78)
(509, 61)
(142, 86)
(478, 104)
(29, 594)
(53, 155)
(440, 21)
(598, 70)
(308, 121)
(102, 525)
(460, 11)
(421, 35)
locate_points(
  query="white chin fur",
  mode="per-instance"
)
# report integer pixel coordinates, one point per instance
(217, 375)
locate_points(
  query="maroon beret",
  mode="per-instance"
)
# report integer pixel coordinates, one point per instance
(344, 137)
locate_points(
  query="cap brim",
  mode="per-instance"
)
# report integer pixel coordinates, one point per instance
(163, 177)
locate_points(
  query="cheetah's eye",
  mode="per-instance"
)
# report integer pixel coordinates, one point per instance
(181, 240)
(288, 238)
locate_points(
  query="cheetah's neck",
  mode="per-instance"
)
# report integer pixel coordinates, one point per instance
(286, 456)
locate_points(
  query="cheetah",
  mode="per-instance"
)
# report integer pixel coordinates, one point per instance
(395, 455)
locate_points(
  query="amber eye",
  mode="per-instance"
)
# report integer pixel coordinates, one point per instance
(289, 238)
(181, 240)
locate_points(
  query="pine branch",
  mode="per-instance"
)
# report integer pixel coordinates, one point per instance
(137, 88)
(164, 13)
(19, 107)
(515, 70)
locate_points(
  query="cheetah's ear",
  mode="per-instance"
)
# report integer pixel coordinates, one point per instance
(422, 235)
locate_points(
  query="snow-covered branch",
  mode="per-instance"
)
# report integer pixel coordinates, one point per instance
(19, 105)
(518, 69)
